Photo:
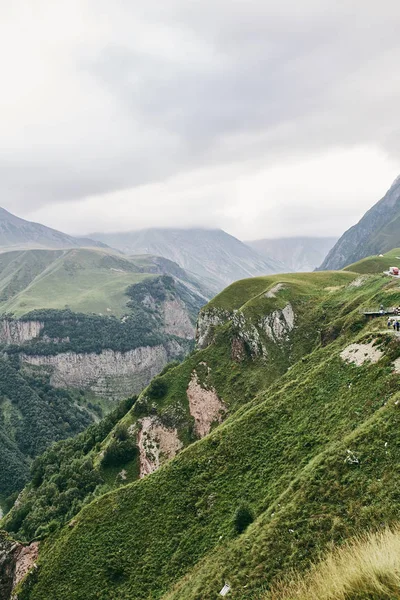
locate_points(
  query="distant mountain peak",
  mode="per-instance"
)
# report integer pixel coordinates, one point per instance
(17, 233)
(378, 231)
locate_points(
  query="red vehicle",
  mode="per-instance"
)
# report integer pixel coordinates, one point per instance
(394, 271)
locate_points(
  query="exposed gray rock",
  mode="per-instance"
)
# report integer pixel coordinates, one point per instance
(108, 374)
(18, 332)
(278, 324)
(206, 322)
(176, 319)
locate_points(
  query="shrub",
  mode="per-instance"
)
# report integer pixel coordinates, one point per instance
(157, 389)
(119, 452)
(121, 432)
(243, 517)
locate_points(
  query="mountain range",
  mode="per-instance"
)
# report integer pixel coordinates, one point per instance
(211, 254)
(377, 232)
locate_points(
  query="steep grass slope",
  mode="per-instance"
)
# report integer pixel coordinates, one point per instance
(312, 456)
(225, 374)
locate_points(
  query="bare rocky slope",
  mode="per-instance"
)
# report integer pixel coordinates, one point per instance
(377, 232)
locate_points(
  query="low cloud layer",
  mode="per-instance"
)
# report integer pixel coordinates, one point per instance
(260, 117)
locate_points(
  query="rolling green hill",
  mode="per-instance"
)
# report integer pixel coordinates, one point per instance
(376, 264)
(82, 280)
(285, 428)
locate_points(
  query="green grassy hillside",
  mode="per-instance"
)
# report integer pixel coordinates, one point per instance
(306, 457)
(33, 414)
(82, 280)
(376, 264)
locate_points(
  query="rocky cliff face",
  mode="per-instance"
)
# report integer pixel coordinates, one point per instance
(109, 374)
(106, 369)
(206, 323)
(176, 319)
(378, 231)
(275, 326)
(19, 332)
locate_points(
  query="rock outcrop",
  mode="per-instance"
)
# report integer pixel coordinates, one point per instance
(205, 406)
(359, 354)
(16, 561)
(176, 319)
(156, 444)
(278, 324)
(207, 321)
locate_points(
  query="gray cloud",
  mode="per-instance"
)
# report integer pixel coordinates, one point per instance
(104, 97)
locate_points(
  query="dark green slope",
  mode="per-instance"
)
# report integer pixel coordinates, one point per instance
(32, 415)
(313, 455)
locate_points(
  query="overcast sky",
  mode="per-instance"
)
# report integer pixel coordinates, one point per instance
(263, 118)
